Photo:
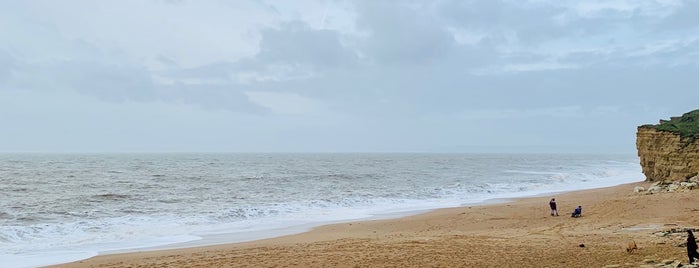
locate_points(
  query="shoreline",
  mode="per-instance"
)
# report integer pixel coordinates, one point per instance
(235, 238)
(217, 239)
(467, 223)
(223, 238)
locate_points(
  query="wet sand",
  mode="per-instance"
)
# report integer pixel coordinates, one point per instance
(520, 233)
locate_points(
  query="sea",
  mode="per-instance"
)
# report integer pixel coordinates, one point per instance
(57, 208)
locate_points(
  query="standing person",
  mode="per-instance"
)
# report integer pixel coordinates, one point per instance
(691, 247)
(552, 204)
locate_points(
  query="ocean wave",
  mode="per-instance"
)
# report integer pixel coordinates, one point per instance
(144, 207)
(111, 196)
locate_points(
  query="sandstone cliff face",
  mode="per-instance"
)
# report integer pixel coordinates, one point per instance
(666, 156)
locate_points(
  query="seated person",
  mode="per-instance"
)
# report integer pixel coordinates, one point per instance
(577, 212)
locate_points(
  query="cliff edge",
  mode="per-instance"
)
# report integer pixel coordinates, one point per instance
(670, 149)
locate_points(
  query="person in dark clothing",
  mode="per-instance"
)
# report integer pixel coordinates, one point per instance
(577, 212)
(691, 247)
(552, 204)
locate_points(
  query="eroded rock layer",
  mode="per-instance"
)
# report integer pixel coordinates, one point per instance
(667, 155)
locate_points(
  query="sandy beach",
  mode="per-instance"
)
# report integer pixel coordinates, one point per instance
(519, 233)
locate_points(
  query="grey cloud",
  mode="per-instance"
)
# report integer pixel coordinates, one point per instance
(638, 20)
(594, 86)
(167, 61)
(400, 80)
(534, 23)
(683, 18)
(42, 59)
(108, 82)
(444, 83)
(216, 70)
(401, 34)
(438, 82)
(294, 48)
(296, 43)
(218, 97)
(122, 84)
(443, 90)
(614, 25)
(127, 83)
(175, 2)
(79, 66)
(6, 66)
(670, 54)
(682, 55)
(531, 23)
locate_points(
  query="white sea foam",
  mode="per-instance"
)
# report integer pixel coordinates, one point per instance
(161, 201)
(40, 258)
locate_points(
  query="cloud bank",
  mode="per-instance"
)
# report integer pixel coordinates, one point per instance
(343, 75)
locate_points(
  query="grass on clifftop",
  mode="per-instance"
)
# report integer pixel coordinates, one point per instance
(686, 126)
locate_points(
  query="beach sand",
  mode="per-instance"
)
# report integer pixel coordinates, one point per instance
(519, 233)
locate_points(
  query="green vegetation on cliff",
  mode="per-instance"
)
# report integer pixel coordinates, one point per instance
(686, 126)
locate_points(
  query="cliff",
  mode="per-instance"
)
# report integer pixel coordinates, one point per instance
(670, 149)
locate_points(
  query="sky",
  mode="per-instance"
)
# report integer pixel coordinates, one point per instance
(447, 76)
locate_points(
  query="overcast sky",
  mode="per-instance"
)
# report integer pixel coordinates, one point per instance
(342, 76)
